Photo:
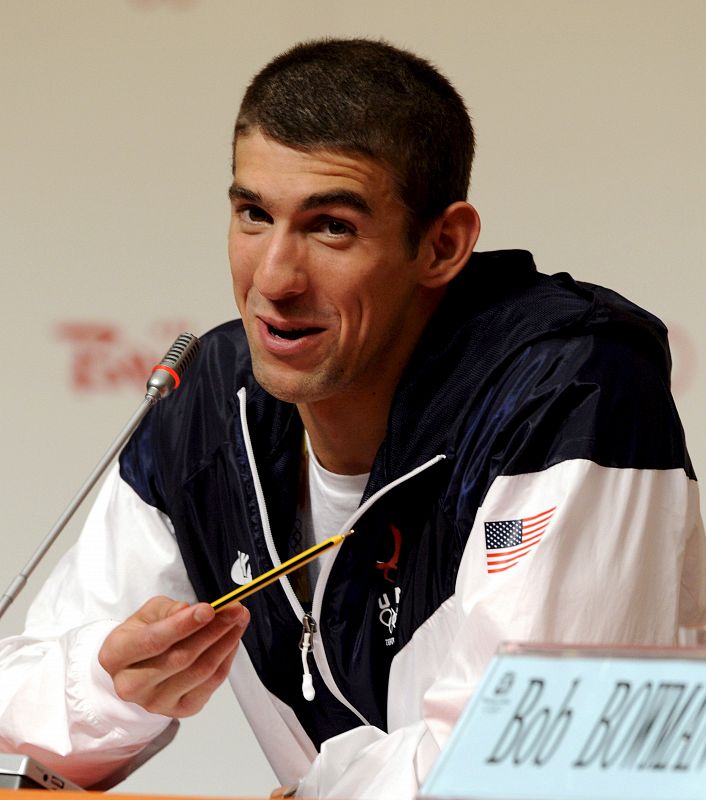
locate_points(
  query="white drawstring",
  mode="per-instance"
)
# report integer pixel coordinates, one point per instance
(307, 682)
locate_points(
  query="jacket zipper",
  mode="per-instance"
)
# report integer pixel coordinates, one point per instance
(305, 645)
(308, 642)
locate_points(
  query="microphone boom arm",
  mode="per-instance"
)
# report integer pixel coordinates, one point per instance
(165, 377)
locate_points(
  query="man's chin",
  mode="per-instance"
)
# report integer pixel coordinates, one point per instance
(296, 388)
(284, 388)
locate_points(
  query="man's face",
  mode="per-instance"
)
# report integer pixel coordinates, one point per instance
(328, 292)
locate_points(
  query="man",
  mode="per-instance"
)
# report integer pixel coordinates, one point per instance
(502, 442)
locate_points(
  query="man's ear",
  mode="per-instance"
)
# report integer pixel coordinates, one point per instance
(450, 239)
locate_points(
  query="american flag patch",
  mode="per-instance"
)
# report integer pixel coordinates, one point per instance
(507, 540)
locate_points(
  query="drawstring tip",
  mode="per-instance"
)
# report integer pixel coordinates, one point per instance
(308, 688)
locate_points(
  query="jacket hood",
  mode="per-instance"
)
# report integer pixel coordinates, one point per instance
(476, 330)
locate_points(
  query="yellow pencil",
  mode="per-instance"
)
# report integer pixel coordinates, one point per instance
(275, 574)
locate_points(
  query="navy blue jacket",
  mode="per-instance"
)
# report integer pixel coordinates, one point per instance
(517, 371)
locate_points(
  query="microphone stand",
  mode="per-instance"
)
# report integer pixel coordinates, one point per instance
(20, 579)
(165, 377)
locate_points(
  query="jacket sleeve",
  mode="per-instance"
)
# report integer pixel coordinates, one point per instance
(56, 703)
(613, 556)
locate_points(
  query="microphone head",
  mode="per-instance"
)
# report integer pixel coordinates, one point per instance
(166, 375)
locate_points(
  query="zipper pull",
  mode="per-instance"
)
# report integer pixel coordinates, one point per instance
(305, 645)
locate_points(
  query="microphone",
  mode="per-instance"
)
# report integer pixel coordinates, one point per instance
(166, 376)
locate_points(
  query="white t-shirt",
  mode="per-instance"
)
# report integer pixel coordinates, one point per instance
(330, 499)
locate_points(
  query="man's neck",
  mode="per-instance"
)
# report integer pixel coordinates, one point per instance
(345, 435)
(347, 429)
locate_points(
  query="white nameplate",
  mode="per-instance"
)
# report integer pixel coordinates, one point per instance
(550, 723)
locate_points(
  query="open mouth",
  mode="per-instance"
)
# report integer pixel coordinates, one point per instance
(293, 333)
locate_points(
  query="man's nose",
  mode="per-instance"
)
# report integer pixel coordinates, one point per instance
(281, 272)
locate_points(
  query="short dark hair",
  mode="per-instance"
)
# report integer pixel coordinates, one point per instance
(368, 97)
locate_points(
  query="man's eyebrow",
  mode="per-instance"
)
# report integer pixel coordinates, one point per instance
(237, 192)
(337, 197)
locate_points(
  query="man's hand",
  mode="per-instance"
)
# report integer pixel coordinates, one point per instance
(284, 791)
(170, 657)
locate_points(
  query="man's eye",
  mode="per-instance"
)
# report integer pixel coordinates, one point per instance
(334, 227)
(253, 214)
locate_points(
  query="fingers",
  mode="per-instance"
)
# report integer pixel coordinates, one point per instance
(184, 691)
(158, 625)
(185, 652)
(170, 657)
(206, 675)
(284, 791)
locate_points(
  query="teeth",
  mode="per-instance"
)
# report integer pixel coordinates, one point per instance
(293, 334)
